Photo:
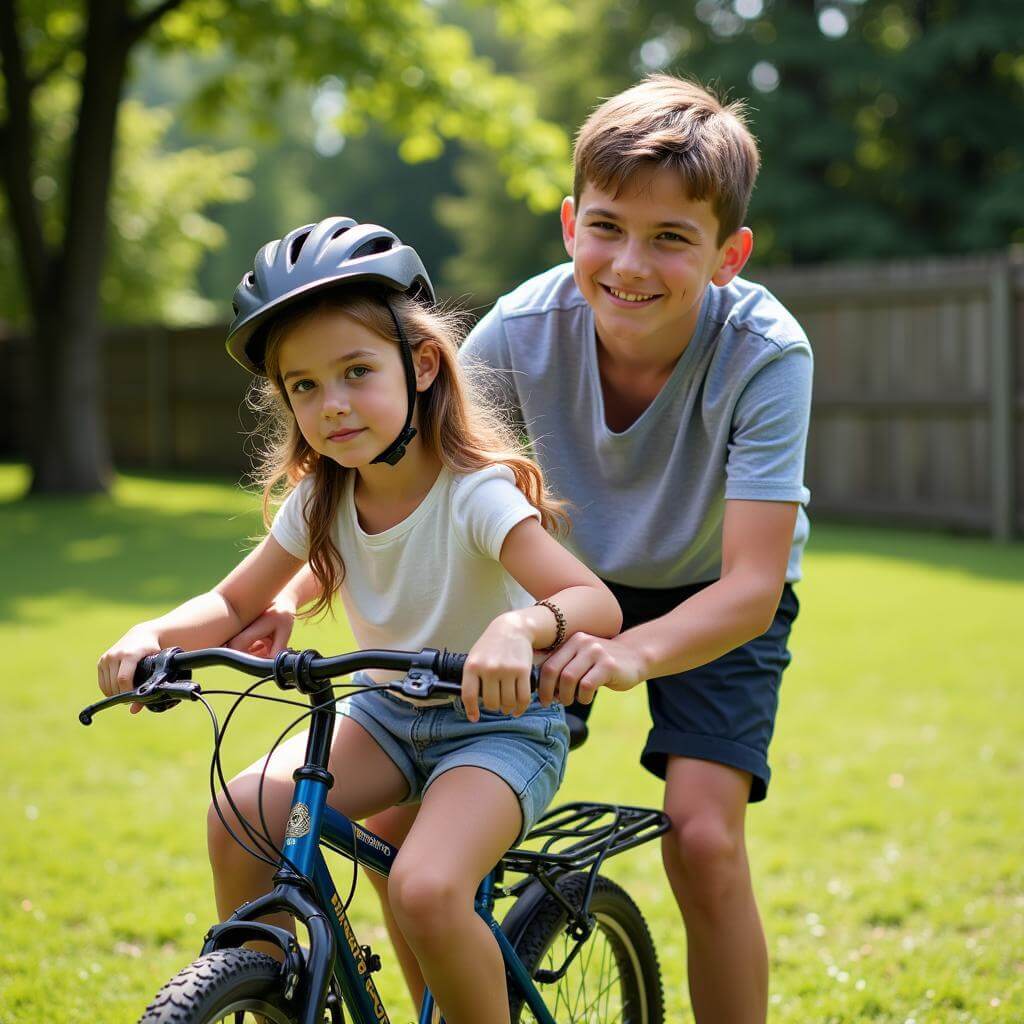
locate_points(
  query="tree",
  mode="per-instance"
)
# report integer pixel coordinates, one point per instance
(398, 65)
(159, 232)
(888, 128)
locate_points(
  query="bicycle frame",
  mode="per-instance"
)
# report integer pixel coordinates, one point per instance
(334, 947)
(576, 837)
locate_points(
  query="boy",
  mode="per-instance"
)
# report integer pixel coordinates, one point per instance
(668, 400)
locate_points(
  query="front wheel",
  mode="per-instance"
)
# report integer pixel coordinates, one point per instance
(232, 986)
(613, 979)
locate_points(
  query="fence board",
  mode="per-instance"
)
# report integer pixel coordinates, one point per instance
(919, 392)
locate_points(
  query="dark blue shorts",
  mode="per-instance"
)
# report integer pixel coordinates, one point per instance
(723, 711)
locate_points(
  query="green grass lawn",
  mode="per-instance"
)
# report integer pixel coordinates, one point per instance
(889, 859)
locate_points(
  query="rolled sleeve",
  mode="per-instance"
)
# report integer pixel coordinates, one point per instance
(485, 507)
(289, 528)
(768, 440)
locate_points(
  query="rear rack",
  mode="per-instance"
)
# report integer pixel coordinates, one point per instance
(577, 836)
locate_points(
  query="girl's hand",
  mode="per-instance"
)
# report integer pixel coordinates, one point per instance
(498, 668)
(267, 635)
(116, 668)
(584, 663)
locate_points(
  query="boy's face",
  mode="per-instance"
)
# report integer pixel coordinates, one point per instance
(643, 259)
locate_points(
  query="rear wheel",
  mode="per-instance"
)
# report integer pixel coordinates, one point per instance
(613, 979)
(232, 986)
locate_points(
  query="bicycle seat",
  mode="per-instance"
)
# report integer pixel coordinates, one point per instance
(578, 730)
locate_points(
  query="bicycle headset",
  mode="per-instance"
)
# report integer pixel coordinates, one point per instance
(313, 258)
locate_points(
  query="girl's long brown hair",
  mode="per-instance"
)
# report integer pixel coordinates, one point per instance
(458, 422)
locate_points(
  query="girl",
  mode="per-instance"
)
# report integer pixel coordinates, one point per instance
(410, 500)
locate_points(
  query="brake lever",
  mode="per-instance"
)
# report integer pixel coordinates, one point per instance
(169, 694)
(163, 688)
(421, 683)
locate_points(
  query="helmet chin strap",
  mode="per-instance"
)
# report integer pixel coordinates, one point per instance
(394, 451)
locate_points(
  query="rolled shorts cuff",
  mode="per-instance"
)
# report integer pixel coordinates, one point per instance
(664, 743)
(533, 793)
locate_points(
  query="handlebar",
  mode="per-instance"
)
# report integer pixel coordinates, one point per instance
(163, 680)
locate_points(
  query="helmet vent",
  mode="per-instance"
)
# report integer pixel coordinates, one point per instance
(372, 247)
(250, 279)
(295, 248)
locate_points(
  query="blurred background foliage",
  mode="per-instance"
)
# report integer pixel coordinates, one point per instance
(888, 128)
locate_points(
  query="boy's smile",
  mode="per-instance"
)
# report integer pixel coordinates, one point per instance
(643, 259)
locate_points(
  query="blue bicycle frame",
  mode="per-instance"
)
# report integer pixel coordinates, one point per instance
(571, 837)
(304, 888)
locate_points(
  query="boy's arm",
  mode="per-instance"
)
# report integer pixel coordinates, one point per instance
(756, 540)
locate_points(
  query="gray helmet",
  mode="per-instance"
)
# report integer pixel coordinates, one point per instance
(318, 256)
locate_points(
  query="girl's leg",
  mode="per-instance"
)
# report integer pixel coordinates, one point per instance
(705, 858)
(394, 825)
(365, 780)
(468, 819)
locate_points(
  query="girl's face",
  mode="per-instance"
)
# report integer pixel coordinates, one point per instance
(346, 386)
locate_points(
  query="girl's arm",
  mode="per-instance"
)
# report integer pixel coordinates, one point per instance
(204, 621)
(269, 633)
(756, 540)
(500, 662)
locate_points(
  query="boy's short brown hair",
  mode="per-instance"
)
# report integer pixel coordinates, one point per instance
(673, 123)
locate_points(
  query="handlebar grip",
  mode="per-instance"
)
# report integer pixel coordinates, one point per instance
(451, 664)
(145, 668)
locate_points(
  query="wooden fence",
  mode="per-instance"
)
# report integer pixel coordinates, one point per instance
(918, 412)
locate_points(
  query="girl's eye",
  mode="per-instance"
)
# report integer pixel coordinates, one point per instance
(357, 372)
(300, 387)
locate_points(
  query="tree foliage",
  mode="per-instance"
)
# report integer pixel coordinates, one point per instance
(159, 231)
(887, 128)
(396, 61)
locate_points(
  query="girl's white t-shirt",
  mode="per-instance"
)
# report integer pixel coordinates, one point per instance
(432, 580)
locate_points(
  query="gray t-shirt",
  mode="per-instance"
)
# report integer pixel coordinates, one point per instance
(730, 422)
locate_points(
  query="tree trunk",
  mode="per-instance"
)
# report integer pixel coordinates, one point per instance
(70, 449)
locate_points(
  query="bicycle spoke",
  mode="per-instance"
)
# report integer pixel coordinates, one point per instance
(603, 975)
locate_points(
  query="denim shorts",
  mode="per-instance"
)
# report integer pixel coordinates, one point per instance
(529, 752)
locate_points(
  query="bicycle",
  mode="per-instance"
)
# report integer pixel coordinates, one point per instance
(576, 947)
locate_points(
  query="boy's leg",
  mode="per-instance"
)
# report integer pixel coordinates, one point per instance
(468, 819)
(366, 780)
(711, 728)
(705, 859)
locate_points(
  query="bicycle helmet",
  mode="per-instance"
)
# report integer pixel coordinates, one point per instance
(336, 251)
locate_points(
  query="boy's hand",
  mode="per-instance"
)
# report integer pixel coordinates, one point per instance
(267, 635)
(584, 663)
(498, 668)
(116, 667)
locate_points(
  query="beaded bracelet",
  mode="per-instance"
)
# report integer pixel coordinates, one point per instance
(560, 625)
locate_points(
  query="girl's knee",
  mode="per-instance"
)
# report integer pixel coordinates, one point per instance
(425, 902)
